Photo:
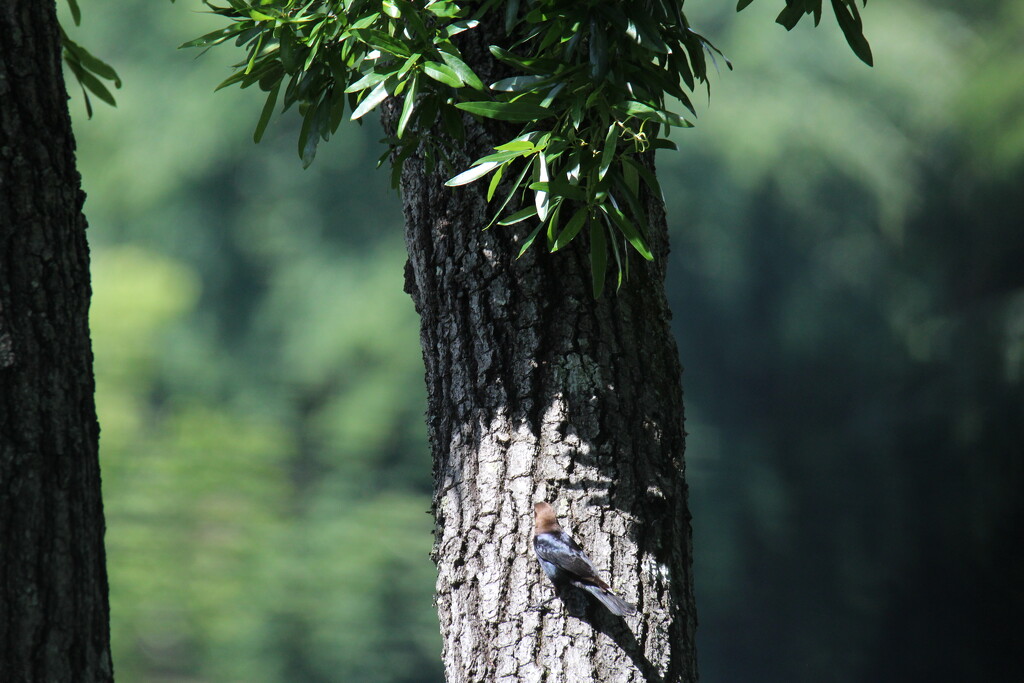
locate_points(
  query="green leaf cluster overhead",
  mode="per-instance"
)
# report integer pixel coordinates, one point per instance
(88, 70)
(593, 86)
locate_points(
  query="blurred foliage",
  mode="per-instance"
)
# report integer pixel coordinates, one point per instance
(266, 471)
(850, 308)
(848, 284)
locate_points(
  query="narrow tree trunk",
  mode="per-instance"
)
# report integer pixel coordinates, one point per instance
(538, 392)
(53, 585)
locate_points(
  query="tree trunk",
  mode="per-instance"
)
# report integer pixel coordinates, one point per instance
(538, 392)
(53, 584)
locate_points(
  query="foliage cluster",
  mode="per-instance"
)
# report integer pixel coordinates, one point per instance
(846, 13)
(590, 87)
(589, 93)
(88, 70)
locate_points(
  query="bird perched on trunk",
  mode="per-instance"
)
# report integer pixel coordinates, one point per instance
(564, 561)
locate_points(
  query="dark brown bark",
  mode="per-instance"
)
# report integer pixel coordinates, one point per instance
(538, 392)
(53, 585)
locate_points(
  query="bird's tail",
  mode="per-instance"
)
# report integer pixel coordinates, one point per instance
(614, 603)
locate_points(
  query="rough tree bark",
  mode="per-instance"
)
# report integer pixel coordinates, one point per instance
(538, 392)
(53, 584)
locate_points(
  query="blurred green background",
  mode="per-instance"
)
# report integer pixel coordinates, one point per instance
(847, 277)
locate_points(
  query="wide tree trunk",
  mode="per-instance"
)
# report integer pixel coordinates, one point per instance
(53, 584)
(538, 392)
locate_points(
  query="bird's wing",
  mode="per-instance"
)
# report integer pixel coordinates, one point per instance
(561, 550)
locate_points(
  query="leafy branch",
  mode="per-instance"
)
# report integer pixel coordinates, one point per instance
(847, 16)
(593, 88)
(89, 71)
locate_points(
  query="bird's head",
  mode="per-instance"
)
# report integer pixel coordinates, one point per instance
(544, 518)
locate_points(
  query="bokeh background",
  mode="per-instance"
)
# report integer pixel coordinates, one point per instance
(847, 277)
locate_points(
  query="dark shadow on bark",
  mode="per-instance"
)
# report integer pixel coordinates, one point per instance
(581, 605)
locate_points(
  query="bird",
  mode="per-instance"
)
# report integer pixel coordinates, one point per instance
(564, 561)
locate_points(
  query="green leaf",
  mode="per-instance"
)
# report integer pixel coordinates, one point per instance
(550, 97)
(611, 139)
(553, 222)
(337, 108)
(473, 173)
(516, 146)
(598, 52)
(93, 64)
(505, 155)
(368, 81)
(410, 63)
(445, 10)
(628, 230)
(647, 33)
(512, 193)
(408, 105)
(630, 177)
(458, 27)
(790, 16)
(365, 22)
(76, 14)
(309, 136)
(214, 37)
(622, 191)
(254, 54)
(376, 96)
(849, 21)
(598, 257)
(77, 70)
(526, 64)
(521, 215)
(560, 187)
(511, 15)
(576, 110)
(382, 41)
(540, 197)
(649, 113)
(462, 70)
(621, 266)
(649, 178)
(506, 111)
(495, 181)
(268, 111)
(93, 84)
(572, 228)
(442, 73)
(742, 4)
(518, 83)
(411, 15)
(231, 80)
(529, 240)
